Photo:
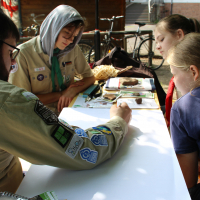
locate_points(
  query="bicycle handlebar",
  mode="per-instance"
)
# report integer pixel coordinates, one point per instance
(34, 18)
(111, 19)
(119, 16)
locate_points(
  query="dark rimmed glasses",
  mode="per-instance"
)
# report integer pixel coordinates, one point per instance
(14, 53)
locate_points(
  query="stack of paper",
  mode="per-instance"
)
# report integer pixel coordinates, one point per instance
(143, 84)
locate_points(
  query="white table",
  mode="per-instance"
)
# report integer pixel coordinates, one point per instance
(144, 168)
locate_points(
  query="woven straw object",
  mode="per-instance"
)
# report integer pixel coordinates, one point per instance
(104, 72)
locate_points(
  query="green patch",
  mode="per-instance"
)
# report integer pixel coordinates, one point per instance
(95, 132)
(61, 135)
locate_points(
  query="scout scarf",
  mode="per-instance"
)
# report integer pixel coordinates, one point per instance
(55, 69)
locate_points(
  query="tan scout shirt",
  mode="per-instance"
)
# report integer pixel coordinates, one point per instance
(33, 71)
(31, 131)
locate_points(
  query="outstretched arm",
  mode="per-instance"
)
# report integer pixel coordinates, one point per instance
(38, 136)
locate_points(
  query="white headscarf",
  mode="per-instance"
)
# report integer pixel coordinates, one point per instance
(53, 24)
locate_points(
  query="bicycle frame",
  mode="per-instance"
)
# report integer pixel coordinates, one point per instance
(135, 50)
(142, 52)
(136, 36)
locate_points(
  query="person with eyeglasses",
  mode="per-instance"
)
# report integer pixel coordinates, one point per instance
(48, 63)
(31, 131)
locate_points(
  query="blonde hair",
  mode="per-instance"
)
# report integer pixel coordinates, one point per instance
(186, 53)
(174, 22)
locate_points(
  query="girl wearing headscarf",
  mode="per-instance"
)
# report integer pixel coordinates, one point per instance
(47, 64)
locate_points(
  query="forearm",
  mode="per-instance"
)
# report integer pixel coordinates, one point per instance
(88, 81)
(189, 166)
(73, 90)
(49, 98)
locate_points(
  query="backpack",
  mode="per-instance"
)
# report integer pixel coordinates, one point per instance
(120, 59)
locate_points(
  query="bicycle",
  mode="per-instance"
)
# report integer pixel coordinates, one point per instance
(34, 27)
(85, 47)
(105, 46)
(144, 52)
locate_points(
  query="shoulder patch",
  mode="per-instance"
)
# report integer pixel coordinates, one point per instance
(29, 96)
(65, 123)
(103, 129)
(99, 140)
(81, 132)
(61, 135)
(74, 146)
(48, 116)
(89, 155)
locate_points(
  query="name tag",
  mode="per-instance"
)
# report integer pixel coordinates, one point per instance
(39, 69)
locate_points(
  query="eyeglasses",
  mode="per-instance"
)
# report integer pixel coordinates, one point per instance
(14, 53)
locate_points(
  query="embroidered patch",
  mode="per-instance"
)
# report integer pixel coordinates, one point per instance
(66, 63)
(89, 155)
(99, 140)
(61, 135)
(29, 96)
(39, 69)
(48, 116)
(65, 123)
(80, 132)
(14, 68)
(40, 77)
(74, 146)
(94, 132)
(103, 129)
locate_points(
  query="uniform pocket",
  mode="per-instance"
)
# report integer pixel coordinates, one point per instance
(41, 82)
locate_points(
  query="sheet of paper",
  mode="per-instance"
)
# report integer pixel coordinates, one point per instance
(80, 103)
(146, 103)
(142, 94)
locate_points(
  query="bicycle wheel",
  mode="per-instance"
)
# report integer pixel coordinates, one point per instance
(91, 55)
(85, 48)
(149, 55)
(104, 50)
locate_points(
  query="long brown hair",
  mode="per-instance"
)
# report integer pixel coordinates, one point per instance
(174, 22)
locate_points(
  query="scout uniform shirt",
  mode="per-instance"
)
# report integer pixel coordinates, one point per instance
(32, 70)
(31, 131)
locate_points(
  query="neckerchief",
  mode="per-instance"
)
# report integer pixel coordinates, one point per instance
(55, 69)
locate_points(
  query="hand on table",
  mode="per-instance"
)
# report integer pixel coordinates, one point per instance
(122, 111)
(67, 95)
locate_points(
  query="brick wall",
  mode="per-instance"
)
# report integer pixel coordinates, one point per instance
(190, 10)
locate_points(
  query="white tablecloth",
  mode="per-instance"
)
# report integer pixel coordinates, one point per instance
(144, 168)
